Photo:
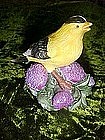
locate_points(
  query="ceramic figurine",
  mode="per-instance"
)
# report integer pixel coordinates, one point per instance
(55, 78)
(60, 48)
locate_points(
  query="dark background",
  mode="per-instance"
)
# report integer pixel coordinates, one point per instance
(21, 117)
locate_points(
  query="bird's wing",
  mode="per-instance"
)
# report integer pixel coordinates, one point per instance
(38, 49)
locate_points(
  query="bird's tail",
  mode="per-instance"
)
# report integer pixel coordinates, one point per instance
(20, 60)
(32, 59)
(27, 57)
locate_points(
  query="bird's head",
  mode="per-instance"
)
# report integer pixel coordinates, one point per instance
(77, 25)
(73, 28)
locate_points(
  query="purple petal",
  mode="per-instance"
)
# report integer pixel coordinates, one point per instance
(73, 73)
(62, 99)
(36, 77)
(91, 82)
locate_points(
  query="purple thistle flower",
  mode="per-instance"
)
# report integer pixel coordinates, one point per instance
(73, 73)
(36, 77)
(91, 82)
(62, 99)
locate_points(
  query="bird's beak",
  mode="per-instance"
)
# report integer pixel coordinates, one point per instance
(86, 26)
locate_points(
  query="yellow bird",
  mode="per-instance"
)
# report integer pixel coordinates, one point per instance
(60, 48)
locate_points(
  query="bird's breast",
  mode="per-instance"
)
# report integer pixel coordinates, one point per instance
(63, 53)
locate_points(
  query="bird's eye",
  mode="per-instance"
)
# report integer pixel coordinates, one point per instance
(77, 26)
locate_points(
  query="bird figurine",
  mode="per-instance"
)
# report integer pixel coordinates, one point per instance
(60, 48)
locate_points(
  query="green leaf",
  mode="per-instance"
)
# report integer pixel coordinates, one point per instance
(75, 105)
(83, 102)
(84, 82)
(45, 101)
(76, 93)
(86, 90)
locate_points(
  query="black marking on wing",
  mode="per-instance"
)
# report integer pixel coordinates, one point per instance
(39, 49)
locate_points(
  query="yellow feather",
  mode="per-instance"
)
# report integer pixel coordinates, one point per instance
(64, 46)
